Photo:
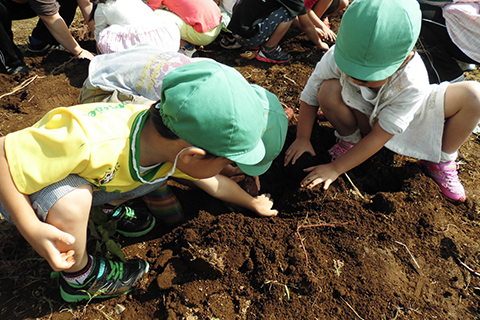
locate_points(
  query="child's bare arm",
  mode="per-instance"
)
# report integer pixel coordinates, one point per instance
(363, 150)
(311, 33)
(41, 236)
(225, 189)
(302, 144)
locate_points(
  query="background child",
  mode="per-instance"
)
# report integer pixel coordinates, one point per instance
(132, 76)
(198, 20)
(372, 84)
(257, 23)
(319, 10)
(121, 24)
(51, 31)
(450, 38)
(102, 153)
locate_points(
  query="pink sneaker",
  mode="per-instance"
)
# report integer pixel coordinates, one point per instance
(446, 176)
(340, 148)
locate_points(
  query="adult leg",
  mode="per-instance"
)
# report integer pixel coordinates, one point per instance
(10, 56)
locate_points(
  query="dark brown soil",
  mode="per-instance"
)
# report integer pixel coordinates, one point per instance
(381, 243)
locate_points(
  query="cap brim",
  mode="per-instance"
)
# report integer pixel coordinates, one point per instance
(362, 72)
(250, 158)
(255, 170)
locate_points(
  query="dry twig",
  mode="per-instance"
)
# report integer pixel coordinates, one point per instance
(21, 86)
(355, 188)
(313, 226)
(351, 308)
(285, 76)
(411, 255)
(463, 264)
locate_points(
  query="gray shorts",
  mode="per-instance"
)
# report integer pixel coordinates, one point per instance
(266, 28)
(44, 199)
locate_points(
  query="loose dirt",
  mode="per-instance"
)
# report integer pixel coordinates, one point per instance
(380, 243)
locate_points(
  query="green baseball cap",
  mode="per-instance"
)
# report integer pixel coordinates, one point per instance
(376, 36)
(275, 125)
(213, 107)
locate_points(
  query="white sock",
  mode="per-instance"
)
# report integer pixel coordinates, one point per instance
(446, 157)
(352, 138)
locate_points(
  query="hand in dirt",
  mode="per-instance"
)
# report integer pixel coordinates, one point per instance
(45, 241)
(85, 54)
(330, 35)
(318, 174)
(296, 149)
(321, 33)
(263, 205)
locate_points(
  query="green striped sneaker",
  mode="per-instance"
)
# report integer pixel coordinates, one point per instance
(108, 279)
(130, 223)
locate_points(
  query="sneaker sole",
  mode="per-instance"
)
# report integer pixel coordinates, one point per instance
(46, 49)
(260, 58)
(139, 233)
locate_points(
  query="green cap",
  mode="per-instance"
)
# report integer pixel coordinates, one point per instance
(275, 125)
(376, 36)
(213, 107)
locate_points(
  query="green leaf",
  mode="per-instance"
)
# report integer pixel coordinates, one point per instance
(115, 249)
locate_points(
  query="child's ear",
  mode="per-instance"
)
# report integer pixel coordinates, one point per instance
(187, 155)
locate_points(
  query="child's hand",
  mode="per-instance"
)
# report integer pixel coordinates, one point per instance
(318, 174)
(45, 242)
(296, 149)
(263, 205)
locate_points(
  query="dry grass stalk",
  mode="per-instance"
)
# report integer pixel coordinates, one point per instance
(351, 308)
(21, 86)
(312, 226)
(411, 255)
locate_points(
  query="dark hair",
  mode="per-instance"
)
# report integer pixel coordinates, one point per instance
(164, 131)
(95, 5)
(157, 121)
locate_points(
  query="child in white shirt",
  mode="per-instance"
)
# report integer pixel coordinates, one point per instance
(374, 90)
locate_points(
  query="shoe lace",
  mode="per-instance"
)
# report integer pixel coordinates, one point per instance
(126, 213)
(116, 270)
(449, 175)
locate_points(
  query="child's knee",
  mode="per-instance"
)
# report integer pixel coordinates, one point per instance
(472, 95)
(329, 95)
(72, 208)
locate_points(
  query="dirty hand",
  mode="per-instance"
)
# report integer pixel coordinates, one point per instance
(263, 205)
(85, 54)
(330, 35)
(318, 174)
(45, 241)
(296, 149)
